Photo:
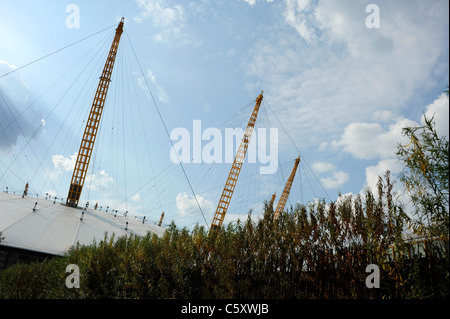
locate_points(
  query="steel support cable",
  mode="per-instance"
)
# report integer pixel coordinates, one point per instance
(113, 100)
(148, 152)
(112, 118)
(9, 147)
(283, 179)
(46, 90)
(242, 199)
(110, 164)
(141, 119)
(128, 60)
(21, 131)
(69, 143)
(247, 179)
(2, 179)
(302, 199)
(94, 155)
(15, 118)
(250, 180)
(310, 185)
(72, 109)
(214, 174)
(267, 126)
(56, 51)
(28, 140)
(45, 119)
(203, 179)
(250, 187)
(128, 72)
(303, 159)
(115, 140)
(165, 127)
(39, 59)
(26, 144)
(152, 180)
(235, 121)
(279, 165)
(244, 178)
(123, 135)
(4, 134)
(65, 143)
(98, 66)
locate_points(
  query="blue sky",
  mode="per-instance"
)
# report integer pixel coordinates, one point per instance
(341, 90)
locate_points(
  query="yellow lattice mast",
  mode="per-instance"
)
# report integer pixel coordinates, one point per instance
(230, 184)
(286, 191)
(161, 219)
(272, 200)
(90, 132)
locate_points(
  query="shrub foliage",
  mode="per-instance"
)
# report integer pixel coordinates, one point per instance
(315, 251)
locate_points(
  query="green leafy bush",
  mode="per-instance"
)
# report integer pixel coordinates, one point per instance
(315, 251)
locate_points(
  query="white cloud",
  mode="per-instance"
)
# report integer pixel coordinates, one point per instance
(21, 89)
(187, 205)
(99, 180)
(6, 67)
(399, 55)
(323, 146)
(373, 172)
(370, 140)
(252, 2)
(298, 14)
(159, 12)
(17, 117)
(96, 181)
(338, 179)
(161, 94)
(322, 167)
(63, 163)
(168, 20)
(439, 109)
(232, 218)
(136, 198)
(349, 74)
(383, 116)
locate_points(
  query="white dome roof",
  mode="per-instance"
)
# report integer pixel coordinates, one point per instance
(54, 228)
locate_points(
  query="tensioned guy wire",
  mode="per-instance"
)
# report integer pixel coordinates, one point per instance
(165, 128)
(56, 51)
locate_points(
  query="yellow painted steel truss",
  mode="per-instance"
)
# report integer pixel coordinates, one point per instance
(230, 184)
(90, 132)
(286, 190)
